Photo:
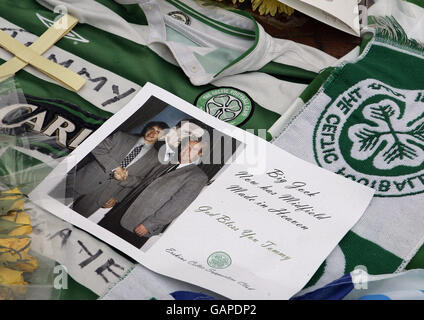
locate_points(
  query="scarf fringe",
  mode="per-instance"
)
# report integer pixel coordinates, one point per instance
(388, 30)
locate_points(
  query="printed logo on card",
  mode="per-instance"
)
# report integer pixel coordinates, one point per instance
(227, 104)
(219, 260)
(374, 134)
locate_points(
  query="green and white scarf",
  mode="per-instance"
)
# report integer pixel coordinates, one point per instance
(364, 120)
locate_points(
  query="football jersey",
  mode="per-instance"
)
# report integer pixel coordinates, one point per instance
(198, 53)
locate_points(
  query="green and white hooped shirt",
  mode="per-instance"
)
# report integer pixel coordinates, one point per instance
(221, 61)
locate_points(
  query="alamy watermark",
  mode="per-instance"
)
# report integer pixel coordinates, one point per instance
(60, 281)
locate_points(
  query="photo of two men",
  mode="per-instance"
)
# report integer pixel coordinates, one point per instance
(147, 177)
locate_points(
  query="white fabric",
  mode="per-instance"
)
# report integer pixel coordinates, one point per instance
(402, 286)
(60, 241)
(409, 15)
(143, 284)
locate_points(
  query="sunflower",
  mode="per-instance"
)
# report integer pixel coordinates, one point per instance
(265, 7)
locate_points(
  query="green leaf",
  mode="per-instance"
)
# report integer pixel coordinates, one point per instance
(6, 206)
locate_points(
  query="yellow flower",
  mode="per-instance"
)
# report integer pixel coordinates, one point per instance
(14, 254)
(12, 284)
(14, 245)
(11, 277)
(23, 223)
(10, 201)
(12, 250)
(27, 263)
(271, 7)
(18, 244)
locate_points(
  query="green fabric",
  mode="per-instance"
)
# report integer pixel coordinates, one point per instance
(417, 2)
(364, 120)
(14, 171)
(315, 85)
(122, 57)
(75, 291)
(418, 261)
(288, 73)
(359, 251)
(130, 12)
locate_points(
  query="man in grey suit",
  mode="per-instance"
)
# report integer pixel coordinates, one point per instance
(164, 199)
(189, 128)
(121, 162)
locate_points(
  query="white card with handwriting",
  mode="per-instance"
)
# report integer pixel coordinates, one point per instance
(341, 14)
(261, 235)
(197, 199)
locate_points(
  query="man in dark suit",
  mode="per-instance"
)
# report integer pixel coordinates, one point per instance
(121, 162)
(169, 195)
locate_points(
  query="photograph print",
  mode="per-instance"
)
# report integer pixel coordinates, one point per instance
(145, 173)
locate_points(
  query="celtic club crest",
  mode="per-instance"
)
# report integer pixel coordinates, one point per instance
(374, 134)
(219, 260)
(227, 104)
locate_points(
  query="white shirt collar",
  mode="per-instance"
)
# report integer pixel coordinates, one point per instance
(182, 165)
(141, 141)
(169, 152)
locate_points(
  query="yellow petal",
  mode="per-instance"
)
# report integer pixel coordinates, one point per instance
(11, 191)
(14, 194)
(12, 249)
(21, 231)
(18, 217)
(262, 9)
(11, 277)
(270, 7)
(256, 4)
(27, 264)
